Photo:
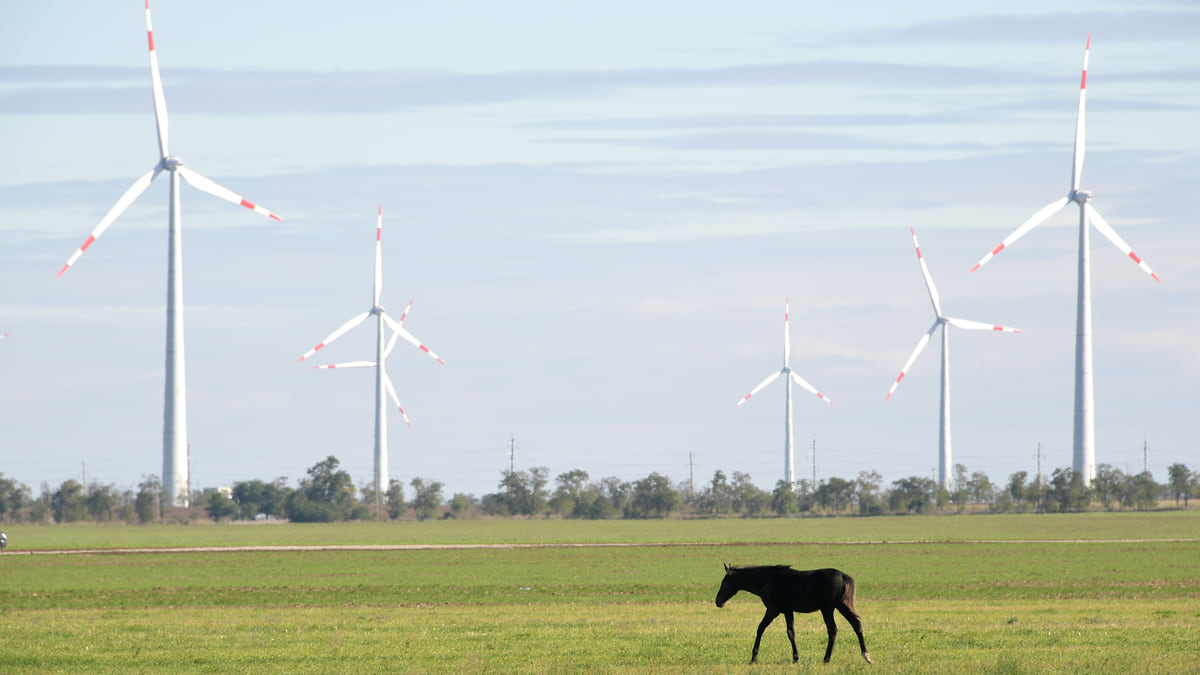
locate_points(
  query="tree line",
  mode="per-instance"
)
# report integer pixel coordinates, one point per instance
(327, 494)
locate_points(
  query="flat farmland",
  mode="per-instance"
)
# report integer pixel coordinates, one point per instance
(1102, 593)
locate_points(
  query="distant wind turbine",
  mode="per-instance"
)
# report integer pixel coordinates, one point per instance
(789, 376)
(1084, 444)
(175, 442)
(382, 382)
(941, 321)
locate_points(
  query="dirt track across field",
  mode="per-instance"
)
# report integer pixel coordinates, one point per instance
(451, 547)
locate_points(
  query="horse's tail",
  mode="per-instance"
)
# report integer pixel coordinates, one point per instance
(848, 593)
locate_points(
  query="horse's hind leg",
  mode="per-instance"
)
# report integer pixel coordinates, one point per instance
(791, 631)
(831, 629)
(855, 623)
(762, 626)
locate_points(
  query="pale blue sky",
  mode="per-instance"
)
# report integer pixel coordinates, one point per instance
(599, 213)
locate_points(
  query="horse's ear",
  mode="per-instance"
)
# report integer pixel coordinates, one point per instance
(727, 568)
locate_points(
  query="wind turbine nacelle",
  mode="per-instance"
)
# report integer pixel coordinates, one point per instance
(1081, 196)
(172, 162)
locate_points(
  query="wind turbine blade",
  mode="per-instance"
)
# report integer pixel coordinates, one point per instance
(160, 102)
(933, 294)
(139, 186)
(400, 330)
(770, 378)
(5, 335)
(391, 345)
(809, 388)
(916, 352)
(201, 183)
(1077, 162)
(405, 314)
(336, 334)
(787, 339)
(1037, 219)
(348, 364)
(979, 325)
(1106, 230)
(387, 381)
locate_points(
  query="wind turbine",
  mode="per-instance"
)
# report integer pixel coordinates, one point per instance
(940, 321)
(382, 381)
(1084, 443)
(175, 443)
(789, 376)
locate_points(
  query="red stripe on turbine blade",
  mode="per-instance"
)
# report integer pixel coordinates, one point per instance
(974, 268)
(998, 248)
(60, 272)
(1083, 81)
(87, 243)
(425, 349)
(248, 204)
(151, 34)
(1135, 258)
(275, 217)
(900, 377)
(1155, 276)
(997, 327)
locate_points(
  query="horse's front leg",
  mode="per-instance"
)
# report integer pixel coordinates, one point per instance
(762, 626)
(831, 629)
(791, 631)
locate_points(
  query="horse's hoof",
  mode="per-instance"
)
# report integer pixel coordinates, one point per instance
(867, 657)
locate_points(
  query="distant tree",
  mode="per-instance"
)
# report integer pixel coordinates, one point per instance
(570, 490)
(40, 510)
(616, 491)
(834, 494)
(13, 497)
(866, 491)
(67, 503)
(1066, 491)
(1109, 486)
(783, 498)
(959, 490)
(100, 502)
(256, 496)
(522, 493)
(1141, 492)
(1016, 486)
(427, 498)
(913, 494)
(980, 489)
(717, 498)
(220, 507)
(459, 504)
(395, 500)
(326, 495)
(748, 498)
(653, 497)
(148, 499)
(1180, 480)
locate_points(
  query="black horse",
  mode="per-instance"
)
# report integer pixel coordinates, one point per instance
(784, 590)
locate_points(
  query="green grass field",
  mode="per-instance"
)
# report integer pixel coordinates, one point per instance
(1003, 594)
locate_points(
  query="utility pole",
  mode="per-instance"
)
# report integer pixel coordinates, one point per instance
(692, 473)
(84, 464)
(1145, 455)
(1039, 463)
(512, 453)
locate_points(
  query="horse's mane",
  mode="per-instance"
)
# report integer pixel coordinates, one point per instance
(759, 568)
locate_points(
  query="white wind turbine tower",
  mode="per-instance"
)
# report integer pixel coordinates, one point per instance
(941, 321)
(1084, 443)
(789, 376)
(382, 382)
(175, 442)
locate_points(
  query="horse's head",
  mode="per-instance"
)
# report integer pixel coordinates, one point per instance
(728, 586)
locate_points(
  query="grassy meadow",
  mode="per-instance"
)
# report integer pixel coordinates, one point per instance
(1105, 593)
